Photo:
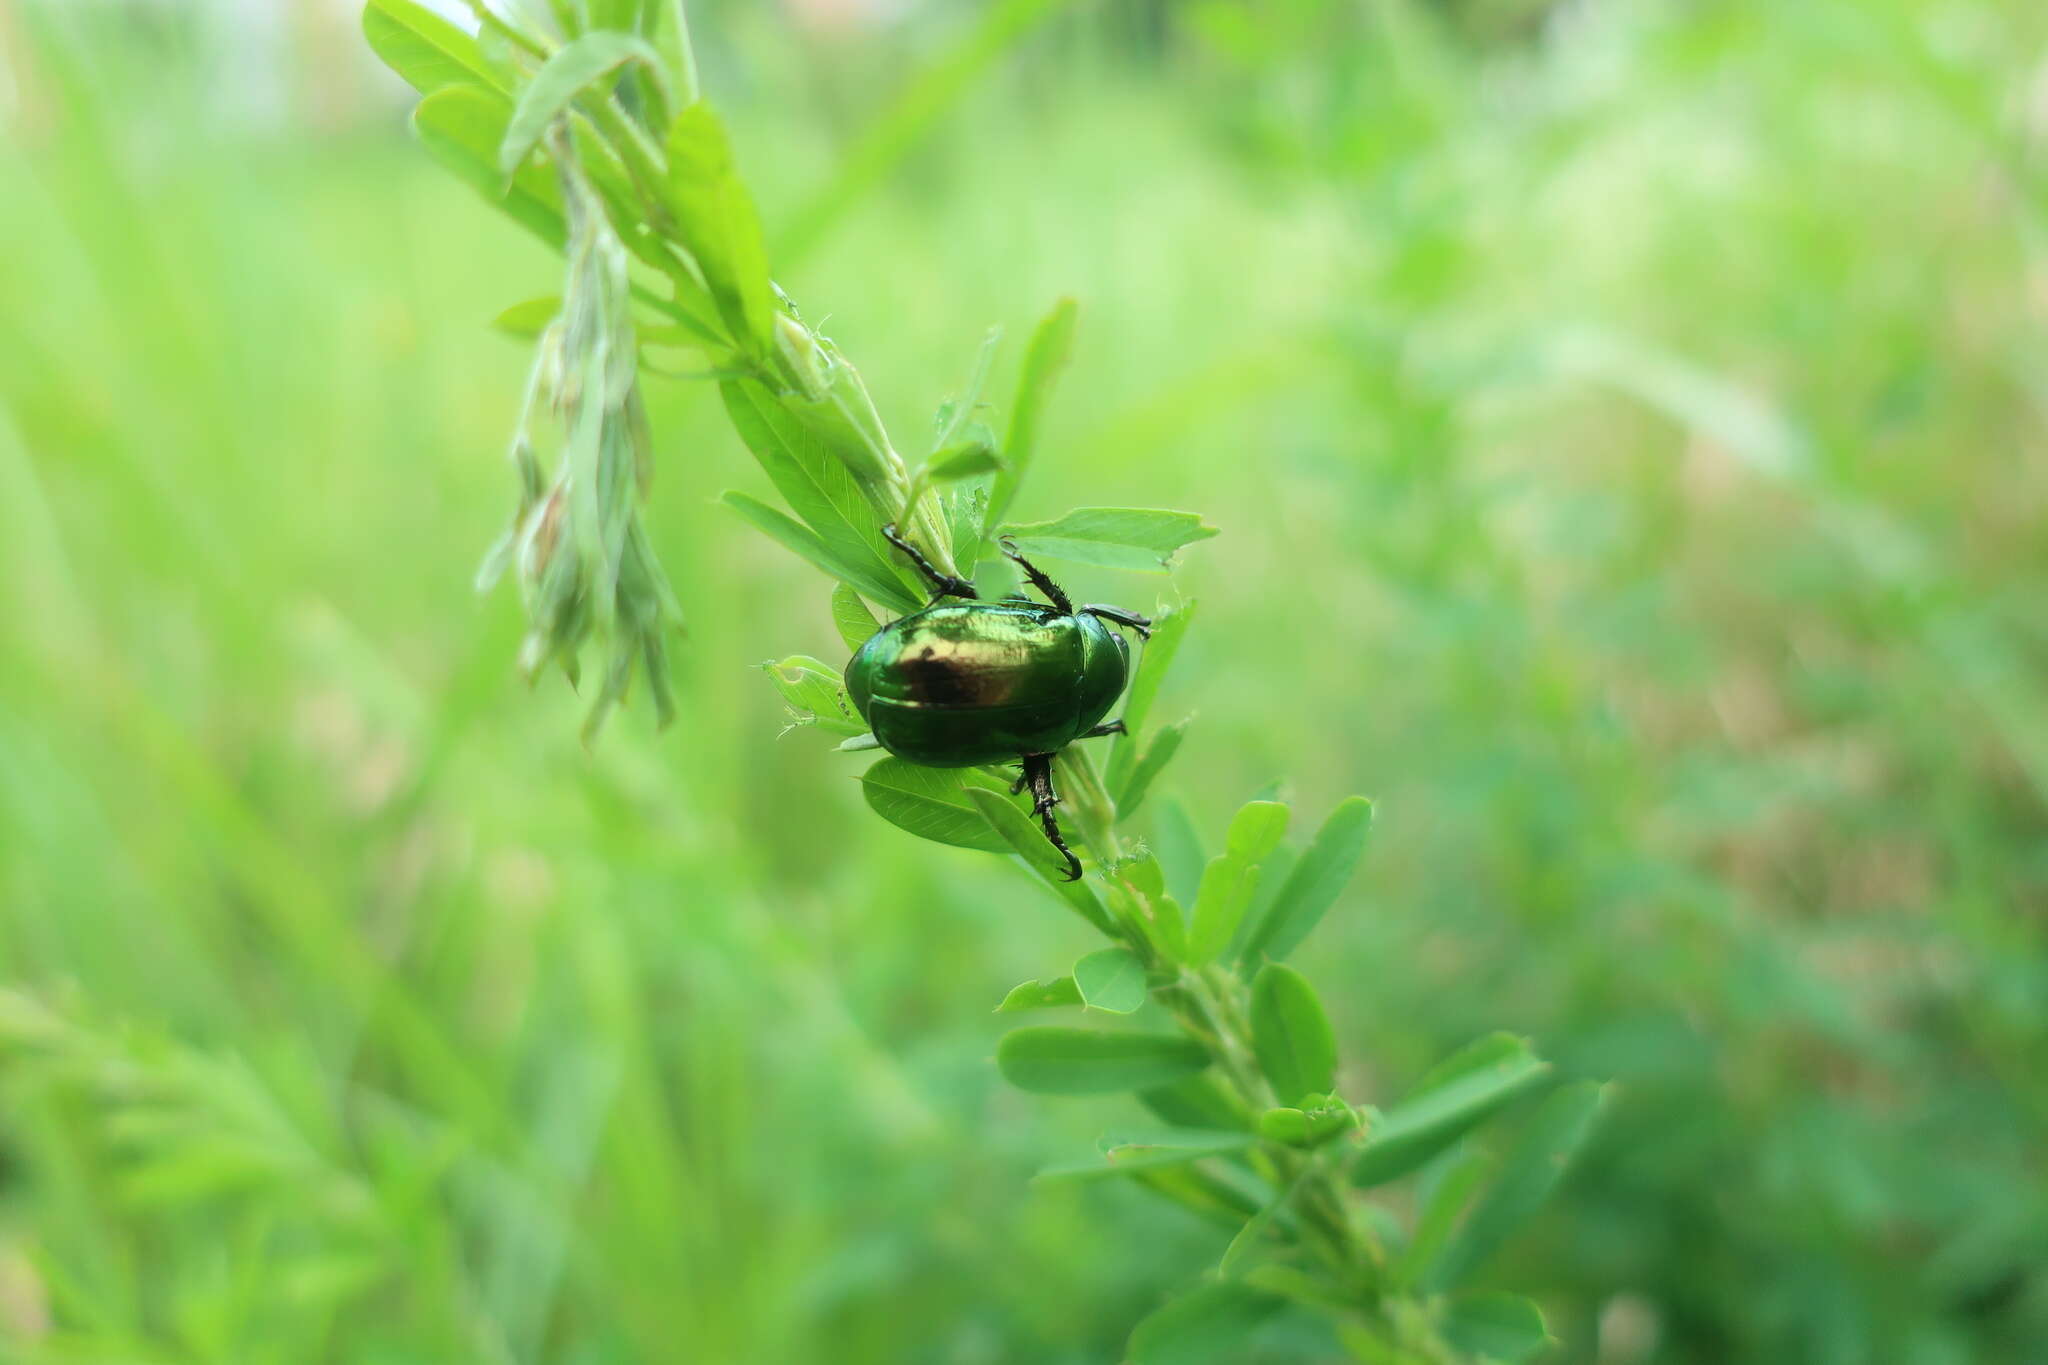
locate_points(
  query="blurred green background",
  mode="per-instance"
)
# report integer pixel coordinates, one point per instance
(1626, 421)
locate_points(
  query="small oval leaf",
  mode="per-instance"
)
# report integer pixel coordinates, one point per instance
(1315, 883)
(1112, 980)
(1296, 1047)
(851, 617)
(1072, 1061)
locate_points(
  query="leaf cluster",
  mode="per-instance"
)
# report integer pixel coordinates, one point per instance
(591, 132)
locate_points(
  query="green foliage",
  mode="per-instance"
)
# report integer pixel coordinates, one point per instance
(1602, 494)
(1211, 1324)
(1455, 1096)
(1314, 883)
(1072, 1061)
(1291, 1035)
(1116, 537)
(1111, 980)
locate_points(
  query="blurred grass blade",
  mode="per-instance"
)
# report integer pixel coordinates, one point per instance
(572, 70)
(1296, 1047)
(1528, 1175)
(919, 107)
(1315, 883)
(1043, 361)
(1207, 1326)
(1073, 1061)
(1144, 538)
(426, 50)
(1496, 1327)
(462, 127)
(1456, 1096)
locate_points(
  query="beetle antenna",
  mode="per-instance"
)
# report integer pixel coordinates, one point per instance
(1038, 775)
(943, 585)
(1141, 624)
(1037, 576)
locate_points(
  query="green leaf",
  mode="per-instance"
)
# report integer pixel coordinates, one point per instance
(851, 617)
(528, 319)
(1207, 1326)
(1496, 1327)
(573, 69)
(1256, 830)
(933, 803)
(1072, 1061)
(819, 488)
(1165, 744)
(1112, 980)
(1440, 1197)
(1231, 880)
(1043, 360)
(1296, 1047)
(966, 460)
(1195, 1102)
(1528, 1175)
(1020, 834)
(1149, 1152)
(815, 689)
(1315, 882)
(718, 222)
(956, 416)
(1178, 845)
(1168, 630)
(806, 544)
(1455, 1097)
(1254, 1231)
(462, 126)
(427, 50)
(1141, 538)
(1040, 995)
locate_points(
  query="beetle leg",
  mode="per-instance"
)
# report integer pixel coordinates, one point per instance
(1037, 576)
(1108, 727)
(943, 585)
(1141, 624)
(1038, 773)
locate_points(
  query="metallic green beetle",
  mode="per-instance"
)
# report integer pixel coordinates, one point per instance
(960, 685)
